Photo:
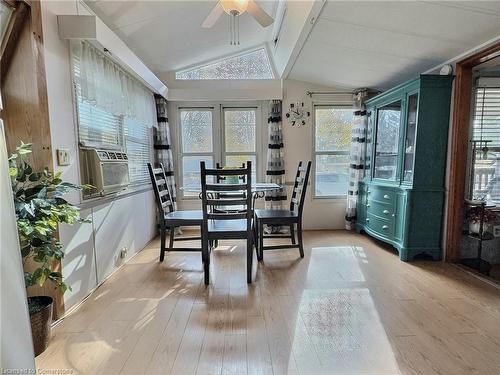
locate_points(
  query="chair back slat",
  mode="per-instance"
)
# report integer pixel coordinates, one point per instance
(221, 178)
(222, 187)
(224, 193)
(300, 187)
(161, 190)
(226, 202)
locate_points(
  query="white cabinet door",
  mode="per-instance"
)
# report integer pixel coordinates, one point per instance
(78, 264)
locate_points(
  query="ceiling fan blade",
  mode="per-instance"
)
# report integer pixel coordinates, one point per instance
(213, 16)
(259, 14)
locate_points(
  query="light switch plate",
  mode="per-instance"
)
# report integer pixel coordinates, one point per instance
(62, 156)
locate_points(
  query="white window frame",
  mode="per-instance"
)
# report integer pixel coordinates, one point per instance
(224, 152)
(183, 154)
(218, 151)
(206, 63)
(315, 153)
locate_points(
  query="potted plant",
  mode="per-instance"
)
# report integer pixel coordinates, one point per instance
(39, 208)
(474, 217)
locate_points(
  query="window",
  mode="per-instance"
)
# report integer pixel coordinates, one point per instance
(332, 130)
(112, 124)
(218, 134)
(249, 65)
(240, 137)
(196, 143)
(486, 128)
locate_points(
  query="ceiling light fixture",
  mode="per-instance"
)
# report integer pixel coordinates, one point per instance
(234, 8)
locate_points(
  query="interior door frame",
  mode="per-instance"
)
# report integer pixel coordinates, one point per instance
(459, 136)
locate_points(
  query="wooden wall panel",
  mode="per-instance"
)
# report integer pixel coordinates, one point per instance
(25, 113)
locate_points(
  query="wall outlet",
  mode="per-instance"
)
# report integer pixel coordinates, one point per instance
(62, 157)
(123, 253)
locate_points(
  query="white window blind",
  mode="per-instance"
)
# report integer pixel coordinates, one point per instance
(98, 127)
(138, 146)
(486, 127)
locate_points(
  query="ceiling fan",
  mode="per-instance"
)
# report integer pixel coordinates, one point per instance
(235, 8)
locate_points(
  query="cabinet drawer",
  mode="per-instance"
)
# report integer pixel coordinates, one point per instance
(382, 226)
(382, 209)
(381, 194)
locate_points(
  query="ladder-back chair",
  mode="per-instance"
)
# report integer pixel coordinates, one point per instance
(231, 224)
(289, 218)
(169, 217)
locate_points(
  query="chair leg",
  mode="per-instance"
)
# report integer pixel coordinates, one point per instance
(249, 260)
(205, 256)
(171, 242)
(299, 233)
(163, 234)
(261, 241)
(255, 237)
(292, 233)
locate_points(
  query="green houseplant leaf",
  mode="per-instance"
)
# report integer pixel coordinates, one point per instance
(39, 209)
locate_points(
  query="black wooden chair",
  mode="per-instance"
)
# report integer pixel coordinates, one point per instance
(222, 179)
(289, 218)
(170, 218)
(226, 225)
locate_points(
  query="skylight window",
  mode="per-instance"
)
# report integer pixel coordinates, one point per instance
(250, 65)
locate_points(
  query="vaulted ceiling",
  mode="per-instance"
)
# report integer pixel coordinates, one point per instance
(381, 43)
(167, 35)
(352, 44)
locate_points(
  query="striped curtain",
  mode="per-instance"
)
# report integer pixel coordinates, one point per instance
(275, 173)
(358, 155)
(162, 144)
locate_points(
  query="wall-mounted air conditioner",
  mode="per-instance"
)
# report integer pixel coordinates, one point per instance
(106, 170)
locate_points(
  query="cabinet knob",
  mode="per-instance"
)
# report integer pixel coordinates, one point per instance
(368, 192)
(386, 212)
(393, 215)
(368, 205)
(385, 227)
(386, 196)
(367, 220)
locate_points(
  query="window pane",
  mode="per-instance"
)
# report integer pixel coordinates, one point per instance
(240, 130)
(196, 131)
(332, 175)
(250, 65)
(486, 169)
(238, 160)
(191, 170)
(387, 141)
(333, 128)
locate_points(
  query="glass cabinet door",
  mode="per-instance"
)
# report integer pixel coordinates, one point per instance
(411, 132)
(369, 135)
(387, 141)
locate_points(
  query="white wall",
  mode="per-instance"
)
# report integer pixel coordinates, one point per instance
(318, 213)
(92, 249)
(16, 347)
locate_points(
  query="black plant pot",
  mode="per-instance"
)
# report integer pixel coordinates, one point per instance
(40, 309)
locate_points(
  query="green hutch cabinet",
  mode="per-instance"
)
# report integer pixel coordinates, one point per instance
(401, 198)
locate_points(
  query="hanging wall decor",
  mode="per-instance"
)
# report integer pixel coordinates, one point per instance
(297, 114)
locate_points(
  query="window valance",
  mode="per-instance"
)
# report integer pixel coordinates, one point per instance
(103, 83)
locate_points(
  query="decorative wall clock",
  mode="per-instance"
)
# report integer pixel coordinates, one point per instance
(297, 114)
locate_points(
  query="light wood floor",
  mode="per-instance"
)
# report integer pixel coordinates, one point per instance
(349, 307)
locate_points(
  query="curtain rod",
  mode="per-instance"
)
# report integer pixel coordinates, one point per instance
(311, 93)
